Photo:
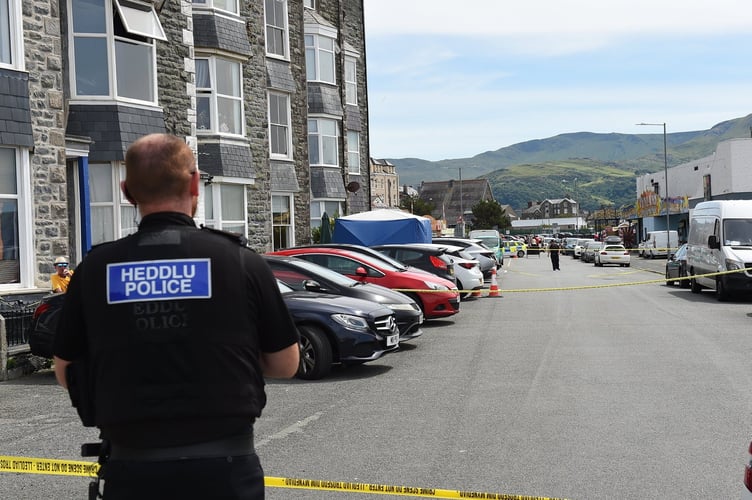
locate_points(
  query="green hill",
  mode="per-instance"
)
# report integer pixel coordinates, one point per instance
(605, 165)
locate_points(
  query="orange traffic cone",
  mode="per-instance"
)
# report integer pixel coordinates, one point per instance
(476, 293)
(494, 290)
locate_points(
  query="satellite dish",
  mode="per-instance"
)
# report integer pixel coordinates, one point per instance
(353, 187)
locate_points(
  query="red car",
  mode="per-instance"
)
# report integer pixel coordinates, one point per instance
(437, 297)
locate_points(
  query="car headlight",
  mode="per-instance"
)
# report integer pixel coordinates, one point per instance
(402, 306)
(351, 322)
(733, 265)
(434, 286)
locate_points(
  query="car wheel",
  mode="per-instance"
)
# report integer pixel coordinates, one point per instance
(627, 265)
(465, 295)
(418, 301)
(720, 290)
(669, 281)
(520, 253)
(315, 353)
(694, 286)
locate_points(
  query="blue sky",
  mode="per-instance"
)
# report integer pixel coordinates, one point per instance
(449, 79)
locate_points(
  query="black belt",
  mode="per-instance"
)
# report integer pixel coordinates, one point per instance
(234, 446)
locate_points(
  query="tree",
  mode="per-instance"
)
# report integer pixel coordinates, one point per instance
(416, 206)
(489, 214)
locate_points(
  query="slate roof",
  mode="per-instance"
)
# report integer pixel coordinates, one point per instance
(445, 196)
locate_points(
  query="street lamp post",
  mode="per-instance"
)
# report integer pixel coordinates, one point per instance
(665, 181)
(576, 220)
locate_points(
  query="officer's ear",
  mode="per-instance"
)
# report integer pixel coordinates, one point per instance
(195, 179)
(127, 194)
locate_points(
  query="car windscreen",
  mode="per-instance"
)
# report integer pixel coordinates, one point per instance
(322, 271)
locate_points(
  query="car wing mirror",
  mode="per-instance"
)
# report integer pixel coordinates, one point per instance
(361, 272)
(312, 286)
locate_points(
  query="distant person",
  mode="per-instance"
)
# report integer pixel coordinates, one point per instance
(62, 276)
(553, 252)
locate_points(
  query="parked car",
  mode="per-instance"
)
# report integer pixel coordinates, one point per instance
(433, 259)
(612, 254)
(747, 482)
(579, 246)
(367, 251)
(567, 245)
(333, 329)
(437, 297)
(338, 329)
(513, 248)
(299, 274)
(467, 274)
(44, 323)
(676, 267)
(588, 251)
(486, 257)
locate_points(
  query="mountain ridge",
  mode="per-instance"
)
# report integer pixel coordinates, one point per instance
(586, 165)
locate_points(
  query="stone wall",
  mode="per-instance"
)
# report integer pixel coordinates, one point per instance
(43, 59)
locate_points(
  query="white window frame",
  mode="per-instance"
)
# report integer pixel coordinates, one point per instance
(123, 214)
(13, 35)
(136, 22)
(351, 80)
(309, 4)
(321, 205)
(290, 225)
(315, 54)
(24, 219)
(270, 25)
(212, 5)
(353, 152)
(213, 214)
(322, 142)
(277, 125)
(214, 97)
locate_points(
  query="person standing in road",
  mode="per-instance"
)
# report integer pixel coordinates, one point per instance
(179, 326)
(60, 279)
(553, 252)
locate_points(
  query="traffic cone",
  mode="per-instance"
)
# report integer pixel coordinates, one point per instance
(476, 293)
(494, 290)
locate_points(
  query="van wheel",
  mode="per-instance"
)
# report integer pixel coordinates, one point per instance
(520, 253)
(315, 353)
(669, 281)
(694, 286)
(721, 291)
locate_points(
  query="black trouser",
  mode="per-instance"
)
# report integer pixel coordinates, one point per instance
(224, 478)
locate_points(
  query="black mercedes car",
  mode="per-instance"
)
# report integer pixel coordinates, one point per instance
(333, 329)
(300, 274)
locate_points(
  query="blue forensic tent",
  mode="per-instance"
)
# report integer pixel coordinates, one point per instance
(380, 227)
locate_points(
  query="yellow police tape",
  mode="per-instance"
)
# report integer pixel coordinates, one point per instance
(582, 287)
(26, 465)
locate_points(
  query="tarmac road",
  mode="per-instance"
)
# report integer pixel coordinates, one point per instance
(591, 389)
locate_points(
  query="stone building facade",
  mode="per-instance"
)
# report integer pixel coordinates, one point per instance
(241, 81)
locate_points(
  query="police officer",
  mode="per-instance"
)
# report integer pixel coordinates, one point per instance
(179, 326)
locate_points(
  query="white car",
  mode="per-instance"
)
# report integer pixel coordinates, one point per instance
(466, 269)
(579, 246)
(611, 254)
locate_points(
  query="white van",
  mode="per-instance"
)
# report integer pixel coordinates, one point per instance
(491, 238)
(720, 240)
(660, 244)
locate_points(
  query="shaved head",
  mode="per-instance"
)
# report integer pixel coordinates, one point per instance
(159, 170)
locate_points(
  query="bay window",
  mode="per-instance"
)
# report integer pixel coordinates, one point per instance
(112, 215)
(225, 207)
(320, 61)
(219, 96)
(226, 5)
(322, 142)
(113, 49)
